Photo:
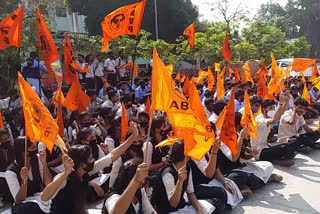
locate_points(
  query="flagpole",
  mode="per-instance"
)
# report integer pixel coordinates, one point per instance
(156, 19)
(148, 139)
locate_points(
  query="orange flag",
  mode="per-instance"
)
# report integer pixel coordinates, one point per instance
(183, 78)
(45, 41)
(262, 89)
(230, 71)
(201, 76)
(190, 33)
(217, 67)
(58, 100)
(258, 112)
(69, 58)
(210, 79)
(148, 106)
(223, 72)
(197, 106)
(276, 84)
(105, 46)
(247, 119)
(220, 120)
(288, 70)
(105, 82)
(220, 87)
(11, 29)
(236, 76)
(314, 73)
(246, 75)
(228, 134)
(170, 68)
(302, 64)
(124, 123)
(305, 94)
(226, 53)
(303, 79)
(269, 96)
(186, 87)
(76, 98)
(1, 121)
(178, 77)
(39, 124)
(123, 21)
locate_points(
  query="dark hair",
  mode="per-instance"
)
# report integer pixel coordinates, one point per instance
(81, 55)
(91, 92)
(136, 80)
(79, 154)
(308, 83)
(19, 149)
(294, 88)
(219, 106)
(143, 114)
(83, 115)
(176, 152)
(33, 54)
(237, 118)
(208, 101)
(3, 132)
(267, 103)
(301, 101)
(84, 133)
(239, 93)
(112, 93)
(255, 99)
(126, 98)
(156, 123)
(104, 111)
(208, 93)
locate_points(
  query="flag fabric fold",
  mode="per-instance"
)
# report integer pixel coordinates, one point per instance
(226, 52)
(124, 123)
(190, 33)
(247, 119)
(76, 98)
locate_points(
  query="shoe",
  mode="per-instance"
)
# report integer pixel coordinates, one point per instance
(274, 178)
(286, 163)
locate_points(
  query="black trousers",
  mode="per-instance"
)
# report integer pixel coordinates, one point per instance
(244, 179)
(90, 82)
(99, 84)
(286, 151)
(28, 207)
(217, 196)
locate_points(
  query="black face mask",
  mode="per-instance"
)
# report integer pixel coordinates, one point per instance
(93, 142)
(32, 154)
(89, 167)
(5, 145)
(143, 124)
(136, 148)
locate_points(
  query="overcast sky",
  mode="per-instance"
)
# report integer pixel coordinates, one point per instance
(251, 5)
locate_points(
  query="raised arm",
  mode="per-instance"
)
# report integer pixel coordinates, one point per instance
(211, 167)
(282, 107)
(243, 135)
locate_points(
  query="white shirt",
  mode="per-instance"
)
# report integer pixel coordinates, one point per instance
(99, 66)
(91, 69)
(121, 62)
(110, 65)
(81, 65)
(129, 113)
(109, 104)
(145, 203)
(286, 130)
(262, 134)
(4, 103)
(94, 104)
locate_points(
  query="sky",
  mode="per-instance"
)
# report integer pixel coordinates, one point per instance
(250, 5)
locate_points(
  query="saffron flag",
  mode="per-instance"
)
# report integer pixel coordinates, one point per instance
(314, 73)
(183, 78)
(220, 87)
(186, 87)
(170, 68)
(105, 46)
(11, 29)
(190, 33)
(210, 79)
(288, 70)
(45, 41)
(220, 120)
(228, 134)
(226, 53)
(123, 21)
(76, 98)
(258, 112)
(276, 84)
(236, 76)
(302, 64)
(69, 74)
(262, 89)
(201, 76)
(148, 106)
(178, 77)
(246, 74)
(303, 79)
(230, 71)
(247, 119)
(223, 72)
(105, 82)
(124, 123)
(217, 67)
(58, 100)
(39, 124)
(305, 94)
(1, 121)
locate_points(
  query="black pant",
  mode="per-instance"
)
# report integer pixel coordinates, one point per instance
(99, 84)
(4, 190)
(217, 196)
(244, 179)
(90, 82)
(286, 151)
(28, 207)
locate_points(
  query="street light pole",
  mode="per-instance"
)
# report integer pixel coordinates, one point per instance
(156, 19)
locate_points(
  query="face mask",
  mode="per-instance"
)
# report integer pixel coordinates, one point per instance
(5, 145)
(32, 154)
(271, 113)
(254, 109)
(136, 148)
(93, 142)
(89, 167)
(143, 124)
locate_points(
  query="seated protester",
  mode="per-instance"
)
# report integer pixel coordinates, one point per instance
(103, 93)
(95, 100)
(69, 189)
(107, 115)
(209, 106)
(113, 140)
(142, 90)
(248, 176)
(123, 89)
(53, 158)
(293, 129)
(217, 109)
(143, 102)
(277, 154)
(255, 103)
(84, 120)
(252, 92)
(207, 95)
(175, 181)
(27, 179)
(136, 84)
(12, 102)
(113, 101)
(6, 158)
(15, 124)
(238, 101)
(72, 126)
(203, 173)
(200, 88)
(127, 100)
(87, 136)
(294, 93)
(143, 121)
(157, 157)
(128, 194)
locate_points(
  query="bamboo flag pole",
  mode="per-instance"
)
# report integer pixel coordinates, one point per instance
(148, 139)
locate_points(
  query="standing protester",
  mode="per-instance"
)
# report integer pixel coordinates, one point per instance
(110, 68)
(90, 77)
(81, 62)
(121, 61)
(99, 71)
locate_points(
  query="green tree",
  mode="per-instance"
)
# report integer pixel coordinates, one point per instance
(299, 48)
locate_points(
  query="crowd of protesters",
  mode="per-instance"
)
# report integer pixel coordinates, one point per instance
(100, 165)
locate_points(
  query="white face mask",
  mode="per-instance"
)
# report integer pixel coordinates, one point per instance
(271, 113)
